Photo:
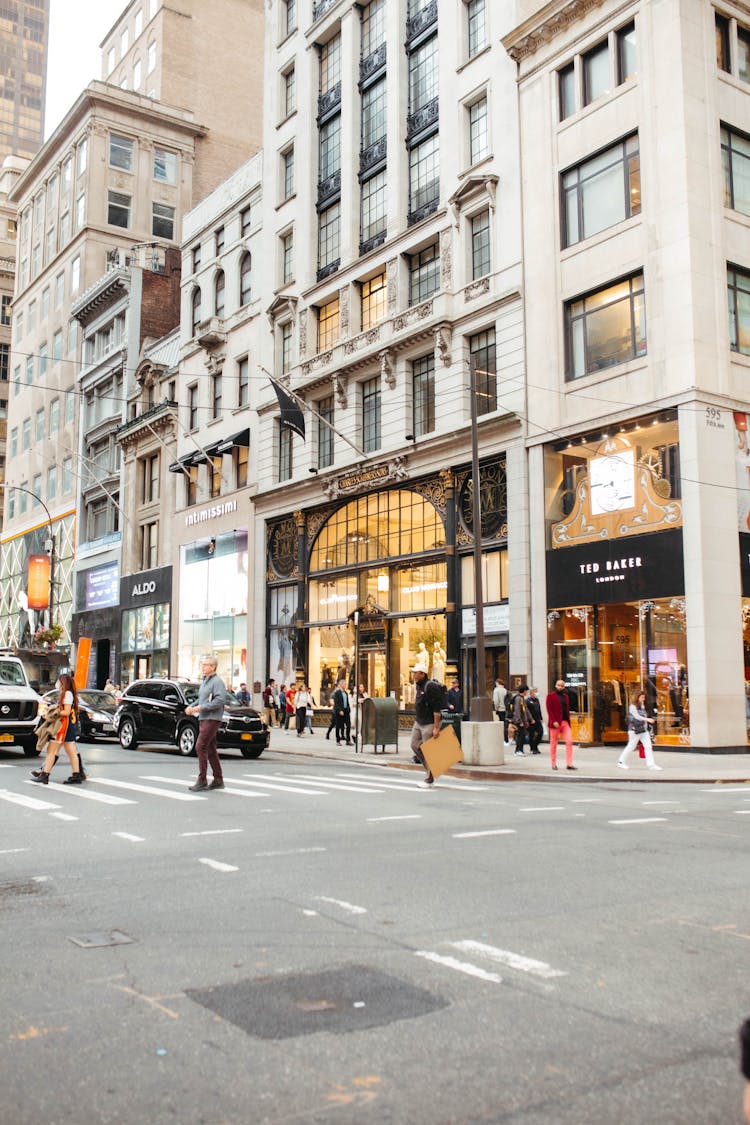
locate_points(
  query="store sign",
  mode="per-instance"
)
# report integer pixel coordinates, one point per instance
(496, 620)
(103, 586)
(618, 570)
(211, 513)
(366, 476)
(150, 587)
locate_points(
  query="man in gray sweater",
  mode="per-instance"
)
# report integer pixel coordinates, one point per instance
(212, 697)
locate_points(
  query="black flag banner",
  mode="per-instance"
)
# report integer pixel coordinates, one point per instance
(291, 415)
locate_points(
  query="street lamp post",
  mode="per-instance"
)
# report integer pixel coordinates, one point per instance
(480, 708)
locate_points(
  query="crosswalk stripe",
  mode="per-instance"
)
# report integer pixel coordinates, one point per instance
(639, 820)
(507, 957)
(77, 791)
(146, 789)
(129, 836)
(459, 966)
(280, 788)
(63, 816)
(217, 866)
(187, 781)
(408, 782)
(341, 786)
(27, 802)
(486, 832)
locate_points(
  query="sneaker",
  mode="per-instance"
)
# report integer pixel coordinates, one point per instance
(554, 767)
(623, 765)
(520, 754)
(425, 784)
(217, 783)
(199, 785)
(571, 767)
(655, 767)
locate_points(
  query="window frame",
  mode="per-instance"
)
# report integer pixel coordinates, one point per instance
(585, 316)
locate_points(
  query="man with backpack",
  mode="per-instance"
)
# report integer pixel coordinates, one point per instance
(430, 700)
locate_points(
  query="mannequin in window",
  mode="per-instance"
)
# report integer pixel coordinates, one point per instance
(438, 662)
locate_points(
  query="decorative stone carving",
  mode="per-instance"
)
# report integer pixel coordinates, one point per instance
(303, 334)
(434, 491)
(344, 310)
(299, 521)
(392, 285)
(443, 344)
(477, 288)
(214, 361)
(339, 389)
(446, 259)
(387, 372)
(549, 29)
(416, 313)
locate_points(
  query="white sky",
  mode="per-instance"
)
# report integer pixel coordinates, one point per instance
(76, 28)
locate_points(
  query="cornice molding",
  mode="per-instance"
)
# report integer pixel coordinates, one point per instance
(545, 25)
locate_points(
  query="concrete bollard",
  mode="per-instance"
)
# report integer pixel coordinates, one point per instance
(482, 744)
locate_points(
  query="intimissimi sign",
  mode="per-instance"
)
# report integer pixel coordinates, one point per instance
(211, 513)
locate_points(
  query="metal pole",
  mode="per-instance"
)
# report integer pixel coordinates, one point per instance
(356, 681)
(480, 708)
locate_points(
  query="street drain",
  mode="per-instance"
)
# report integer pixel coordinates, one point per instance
(340, 1000)
(98, 940)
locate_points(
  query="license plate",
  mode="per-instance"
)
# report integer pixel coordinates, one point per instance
(246, 737)
(6, 738)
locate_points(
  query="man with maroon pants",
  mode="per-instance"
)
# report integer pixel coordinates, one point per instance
(558, 720)
(212, 697)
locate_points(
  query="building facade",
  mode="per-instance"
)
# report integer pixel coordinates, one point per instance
(24, 40)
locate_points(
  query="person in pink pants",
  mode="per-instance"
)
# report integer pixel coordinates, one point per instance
(558, 720)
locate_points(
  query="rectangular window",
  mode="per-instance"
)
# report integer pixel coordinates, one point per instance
(162, 221)
(57, 346)
(123, 42)
(26, 434)
(36, 488)
(482, 353)
(18, 326)
(374, 109)
(423, 75)
(329, 149)
(54, 416)
(196, 257)
(121, 150)
(287, 257)
(477, 18)
(75, 274)
(328, 325)
(288, 173)
(374, 199)
(165, 166)
(39, 429)
(606, 327)
(214, 476)
(51, 483)
(285, 453)
(70, 406)
(287, 345)
(743, 54)
(219, 241)
(373, 27)
(723, 61)
(627, 59)
(191, 486)
(735, 156)
(149, 546)
(424, 274)
(59, 289)
(31, 319)
(290, 99)
(371, 415)
(42, 360)
(329, 234)
(150, 471)
(738, 294)
(246, 221)
(481, 257)
(601, 191)
(424, 177)
(5, 304)
(50, 248)
(67, 475)
(193, 407)
(374, 301)
(243, 381)
(151, 57)
(64, 229)
(67, 173)
(423, 395)
(118, 209)
(29, 370)
(138, 24)
(80, 211)
(597, 75)
(478, 131)
(330, 64)
(217, 381)
(325, 410)
(241, 462)
(44, 307)
(5, 363)
(14, 442)
(288, 17)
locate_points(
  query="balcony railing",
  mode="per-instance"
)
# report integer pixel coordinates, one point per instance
(370, 66)
(329, 189)
(320, 7)
(422, 120)
(371, 157)
(329, 102)
(422, 22)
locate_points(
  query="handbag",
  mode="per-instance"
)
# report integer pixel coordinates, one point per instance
(512, 731)
(638, 726)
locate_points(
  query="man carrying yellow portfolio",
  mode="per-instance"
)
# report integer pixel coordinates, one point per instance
(441, 752)
(430, 699)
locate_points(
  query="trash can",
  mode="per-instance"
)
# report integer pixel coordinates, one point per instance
(452, 719)
(379, 723)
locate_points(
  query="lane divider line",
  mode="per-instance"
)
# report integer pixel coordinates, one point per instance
(407, 816)
(215, 865)
(459, 966)
(512, 960)
(639, 820)
(213, 832)
(129, 836)
(487, 832)
(349, 907)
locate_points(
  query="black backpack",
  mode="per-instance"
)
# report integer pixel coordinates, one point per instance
(438, 694)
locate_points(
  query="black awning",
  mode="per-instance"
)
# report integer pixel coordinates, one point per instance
(241, 438)
(181, 463)
(197, 457)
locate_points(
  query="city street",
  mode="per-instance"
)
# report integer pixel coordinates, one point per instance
(324, 941)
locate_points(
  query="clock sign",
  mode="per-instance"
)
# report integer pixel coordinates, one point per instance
(612, 482)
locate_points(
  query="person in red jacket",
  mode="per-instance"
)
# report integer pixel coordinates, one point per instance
(558, 720)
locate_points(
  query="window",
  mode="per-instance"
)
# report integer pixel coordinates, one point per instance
(57, 346)
(243, 381)
(162, 221)
(118, 209)
(138, 28)
(287, 341)
(137, 73)
(627, 61)
(5, 363)
(374, 217)
(29, 370)
(196, 255)
(52, 483)
(287, 258)
(26, 432)
(149, 546)
(483, 360)
(481, 257)
(24, 502)
(70, 405)
(423, 75)
(16, 381)
(11, 503)
(5, 309)
(601, 191)
(738, 293)
(195, 310)
(289, 95)
(214, 477)
(596, 73)
(330, 64)
(743, 54)
(329, 323)
(191, 486)
(59, 289)
(110, 60)
(67, 475)
(246, 263)
(219, 241)
(371, 415)
(192, 396)
(288, 173)
(288, 17)
(329, 232)
(373, 27)
(75, 274)
(606, 327)
(14, 442)
(735, 155)
(374, 301)
(123, 41)
(241, 457)
(722, 43)
(31, 317)
(121, 151)
(374, 108)
(424, 274)
(424, 178)
(329, 159)
(18, 327)
(423, 395)
(150, 478)
(39, 428)
(478, 134)
(246, 221)
(80, 211)
(151, 57)
(42, 360)
(476, 14)
(219, 293)
(325, 410)
(165, 166)
(217, 382)
(285, 452)
(54, 416)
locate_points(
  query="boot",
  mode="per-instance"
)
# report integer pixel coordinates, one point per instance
(42, 779)
(75, 778)
(81, 770)
(35, 773)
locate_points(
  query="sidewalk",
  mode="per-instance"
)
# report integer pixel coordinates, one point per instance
(594, 763)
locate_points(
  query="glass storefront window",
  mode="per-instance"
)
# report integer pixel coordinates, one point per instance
(381, 525)
(145, 642)
(331, 599)
(213, 606)
(419, 587)
(494, 577)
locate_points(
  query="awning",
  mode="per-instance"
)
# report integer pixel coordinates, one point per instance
(241, 438)
(197, 457)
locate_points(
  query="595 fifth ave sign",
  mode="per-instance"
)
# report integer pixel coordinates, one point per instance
(618, 570)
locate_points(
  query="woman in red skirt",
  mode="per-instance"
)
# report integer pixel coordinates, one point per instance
(69, 732)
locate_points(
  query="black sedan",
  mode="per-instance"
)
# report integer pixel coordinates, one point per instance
(153, 711)
(97, 713)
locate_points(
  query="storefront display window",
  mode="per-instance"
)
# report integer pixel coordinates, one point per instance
(494, 577)
(380, 525)
(213, 606)
(145, 642)
(281, 634)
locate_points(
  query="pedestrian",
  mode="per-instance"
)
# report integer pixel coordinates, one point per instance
(309, 710)
(638, 724)
(745, 1065)
(536, 726)
(243, 695)
(269, 707)
(558, 721)
(499, 694)
(455, 700)
(331, 721)
(428, 705)
(302, 701)
(291, 692)
(521, 717)
(342, 709)
(67, 735)
(281, 708)
(212, 698)
(109, 687)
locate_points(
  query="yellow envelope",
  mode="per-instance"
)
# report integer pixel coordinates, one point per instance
(442, 752)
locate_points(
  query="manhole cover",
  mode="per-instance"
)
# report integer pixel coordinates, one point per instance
(339, 1000)
(98, 939)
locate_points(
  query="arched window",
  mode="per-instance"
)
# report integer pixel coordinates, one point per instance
(245, 278)
(196, 309)
(219, 293)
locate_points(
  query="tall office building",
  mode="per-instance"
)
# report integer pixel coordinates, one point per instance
(24, 38)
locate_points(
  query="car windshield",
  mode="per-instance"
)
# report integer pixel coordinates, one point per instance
(232, 699)
(102, 700)
(190, 691)
(12, 673)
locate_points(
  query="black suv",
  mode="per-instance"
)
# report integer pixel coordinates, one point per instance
(154, 711)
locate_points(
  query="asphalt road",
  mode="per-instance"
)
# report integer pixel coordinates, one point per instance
(324, 942)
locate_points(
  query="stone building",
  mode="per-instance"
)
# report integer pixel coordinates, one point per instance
(24, 41)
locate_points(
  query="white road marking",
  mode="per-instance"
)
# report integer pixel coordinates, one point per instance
(128, 836)
(585, 801)
(408, 816)
(146, 789)
(544, 808)
(78, 791)
(213, 832)
(459, 966)
(507, 957)
(188, 781)
(27, 802)
(14, 851)
(639, 820)
(216, 866)
(289, 851)
(6, 765)
(341, 786)
(719, 788)
(741, 812)
(660, 802)
(310, 913)
(408, 782)
(349, 907)
(487, 832)
(281, 788)
(63, 816)
(41, 879)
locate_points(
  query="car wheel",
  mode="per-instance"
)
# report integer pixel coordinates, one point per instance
(251, 751)
(186, 740)
(127, 735)
(29, 748)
